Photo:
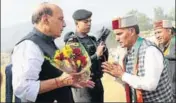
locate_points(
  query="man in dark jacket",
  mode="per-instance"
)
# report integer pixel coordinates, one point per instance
(97, 53)
(35, 79)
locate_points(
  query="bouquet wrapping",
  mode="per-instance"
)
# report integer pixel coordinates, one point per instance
(73, 58)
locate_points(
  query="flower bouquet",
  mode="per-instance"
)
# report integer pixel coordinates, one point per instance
(73, 58)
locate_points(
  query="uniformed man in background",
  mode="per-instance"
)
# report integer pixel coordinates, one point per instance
(165, 35)
(97, 53)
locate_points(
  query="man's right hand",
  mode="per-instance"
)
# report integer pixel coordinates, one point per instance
(82, 84)
(68, 79)
(99, 50)
(73, 79)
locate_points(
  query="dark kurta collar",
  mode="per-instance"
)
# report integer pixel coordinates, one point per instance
(42, 35)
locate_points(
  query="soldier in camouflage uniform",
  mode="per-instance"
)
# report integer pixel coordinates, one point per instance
(96, 52)
(144, 70)
(165, 35)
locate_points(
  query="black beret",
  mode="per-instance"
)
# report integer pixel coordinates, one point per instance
(81, 14)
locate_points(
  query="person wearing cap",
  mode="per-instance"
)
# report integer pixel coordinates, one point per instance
(165, 35)
(82, 20)
(144, 70)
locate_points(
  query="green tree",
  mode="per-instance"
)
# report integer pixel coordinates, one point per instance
(111, 41)
(171, 14)
(159, 13)
(145, 23)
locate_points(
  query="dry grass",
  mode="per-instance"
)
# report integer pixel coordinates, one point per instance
(114, 92)
(2, 98)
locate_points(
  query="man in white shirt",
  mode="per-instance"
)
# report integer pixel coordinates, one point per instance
(144, 70)
(34, 78)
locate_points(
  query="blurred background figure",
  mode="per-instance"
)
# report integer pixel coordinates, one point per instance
(9, 90)
(165, 35)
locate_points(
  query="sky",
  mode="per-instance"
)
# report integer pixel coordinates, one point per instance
(19, 11)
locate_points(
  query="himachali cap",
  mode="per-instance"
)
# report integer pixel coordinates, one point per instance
(81, 14)
(162, 24)
(123, 22)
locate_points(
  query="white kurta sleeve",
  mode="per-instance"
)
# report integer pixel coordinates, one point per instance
(153, 65)
(27, 59)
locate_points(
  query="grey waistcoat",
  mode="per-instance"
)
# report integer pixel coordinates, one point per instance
(163, 90)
